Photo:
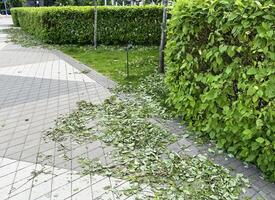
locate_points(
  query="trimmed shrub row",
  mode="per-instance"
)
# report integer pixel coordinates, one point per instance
(14, 17)
(116, 25)
(221, 74)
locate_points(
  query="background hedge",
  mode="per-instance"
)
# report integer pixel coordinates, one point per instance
(116, 25)
(221, 74)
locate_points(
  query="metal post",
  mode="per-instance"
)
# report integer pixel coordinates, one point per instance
(5, 4)
(127, 63)
(95, 23)
(129, 46)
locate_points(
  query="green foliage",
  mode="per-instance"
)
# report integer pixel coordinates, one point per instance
(221, 74)
(76, 2)
(116, 25)
(14, 17)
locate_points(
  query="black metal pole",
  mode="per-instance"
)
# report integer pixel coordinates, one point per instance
(163, 37)
(6, 10)
(95, 23)
(127, 62)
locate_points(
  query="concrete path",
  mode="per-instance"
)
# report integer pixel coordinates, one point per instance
(38, 85)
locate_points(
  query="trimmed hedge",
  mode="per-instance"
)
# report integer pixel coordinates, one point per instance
(116, 25)
(14, 17)
(221, 74)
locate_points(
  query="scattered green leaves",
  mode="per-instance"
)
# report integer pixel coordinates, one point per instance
(140, 154)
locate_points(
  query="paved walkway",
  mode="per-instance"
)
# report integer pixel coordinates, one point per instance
(36, 86)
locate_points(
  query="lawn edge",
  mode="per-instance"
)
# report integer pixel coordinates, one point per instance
(91, 73)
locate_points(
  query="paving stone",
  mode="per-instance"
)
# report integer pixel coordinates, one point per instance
(184, 143)
(96, 153)
(250, 192)
(272, 195)
(250, 171)
(174, 147)
(268, 188)
(264, 195)
(191, 151)
(94, 145)
(257, 197)
(203, 149)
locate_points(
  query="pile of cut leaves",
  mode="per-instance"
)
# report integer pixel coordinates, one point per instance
(140, 154)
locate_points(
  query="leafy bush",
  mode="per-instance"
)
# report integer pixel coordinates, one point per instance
(221, 74)
(14, 17)
(116, 25)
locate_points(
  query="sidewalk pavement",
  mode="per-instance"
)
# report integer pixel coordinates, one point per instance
(36, 86)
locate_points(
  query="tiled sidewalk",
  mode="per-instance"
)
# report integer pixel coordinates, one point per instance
(38, 85)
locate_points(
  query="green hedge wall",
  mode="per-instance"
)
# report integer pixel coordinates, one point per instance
(14, 17)
(116, 25)
(221, 74)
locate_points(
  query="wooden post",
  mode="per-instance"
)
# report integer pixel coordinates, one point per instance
(163, 37)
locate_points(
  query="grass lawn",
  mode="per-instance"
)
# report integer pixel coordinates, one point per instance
(111, 61)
